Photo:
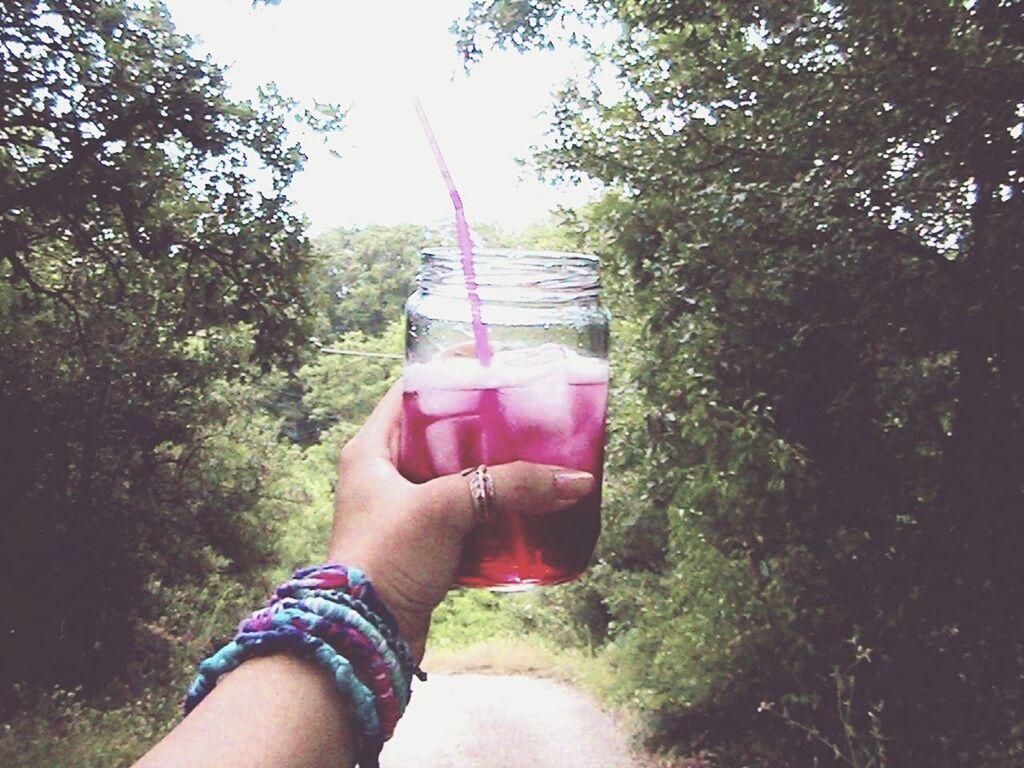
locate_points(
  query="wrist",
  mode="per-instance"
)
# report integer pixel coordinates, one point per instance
(411, 614)
(271, 711)
(331, 616)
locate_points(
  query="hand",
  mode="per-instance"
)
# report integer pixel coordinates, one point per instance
(406, 537)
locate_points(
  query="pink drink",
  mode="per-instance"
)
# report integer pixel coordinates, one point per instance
(544, 405)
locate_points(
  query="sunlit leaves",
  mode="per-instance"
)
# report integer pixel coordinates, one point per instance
(815, 218)
(150, 261)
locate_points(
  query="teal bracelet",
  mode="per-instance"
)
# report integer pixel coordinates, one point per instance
(331, 615)
(247, 646)
(346, 615)
(379, 622)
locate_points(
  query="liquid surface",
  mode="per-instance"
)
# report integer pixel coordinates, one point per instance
(544, 405)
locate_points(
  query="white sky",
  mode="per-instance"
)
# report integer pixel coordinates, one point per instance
(374, 57)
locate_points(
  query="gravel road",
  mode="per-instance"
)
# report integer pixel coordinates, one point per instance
(501, 721)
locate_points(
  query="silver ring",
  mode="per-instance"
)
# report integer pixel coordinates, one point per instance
(481, 490)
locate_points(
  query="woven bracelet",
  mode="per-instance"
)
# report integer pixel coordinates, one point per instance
(391, 635)
(353, 638)
(332, 615)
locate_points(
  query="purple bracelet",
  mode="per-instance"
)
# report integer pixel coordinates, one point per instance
(331, 614)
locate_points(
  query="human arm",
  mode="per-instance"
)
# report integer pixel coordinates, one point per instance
(283, 712)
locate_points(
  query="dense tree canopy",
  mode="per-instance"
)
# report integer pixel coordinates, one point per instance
(365, 275)
(813, 244)
(148, 257)
(818, 207)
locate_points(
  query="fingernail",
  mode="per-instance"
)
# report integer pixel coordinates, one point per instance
(573, 484)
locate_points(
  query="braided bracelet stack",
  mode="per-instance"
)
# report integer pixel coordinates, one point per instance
(332, 615)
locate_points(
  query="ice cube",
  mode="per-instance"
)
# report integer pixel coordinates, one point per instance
(544, 403)
(447, 402)
(580, 451)
(415, 460)
(455, 444)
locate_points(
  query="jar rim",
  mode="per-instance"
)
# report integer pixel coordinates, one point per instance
(512, 275)
(454, 252)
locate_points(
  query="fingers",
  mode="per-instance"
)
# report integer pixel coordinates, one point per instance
(387, 413)
(520, 488)
(466, 349)
(379, 433)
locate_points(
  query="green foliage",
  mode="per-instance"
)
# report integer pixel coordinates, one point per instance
(552, 235)
(365, 275)
(237, 508)
(72, 728)
(339, 392)
(468, 617)
(813, 249)
(147, 274)
(815, 221)
(57, 728)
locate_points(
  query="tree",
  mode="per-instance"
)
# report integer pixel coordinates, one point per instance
(818, 209)
(365, 275)
(144, 267)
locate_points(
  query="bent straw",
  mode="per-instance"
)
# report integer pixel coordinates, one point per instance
(481, 342)
(484, 353)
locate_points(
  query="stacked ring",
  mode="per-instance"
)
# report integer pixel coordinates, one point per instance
(481, 490)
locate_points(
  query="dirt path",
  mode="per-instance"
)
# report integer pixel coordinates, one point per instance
(501, 721)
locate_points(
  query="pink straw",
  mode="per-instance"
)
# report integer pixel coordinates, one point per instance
(480, 340)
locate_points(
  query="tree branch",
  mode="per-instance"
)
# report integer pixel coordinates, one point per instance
(911, 246)
(21, 272)
(120, 130)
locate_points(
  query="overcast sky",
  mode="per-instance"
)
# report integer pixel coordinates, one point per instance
(374, 57)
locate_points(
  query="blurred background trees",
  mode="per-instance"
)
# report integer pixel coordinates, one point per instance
(812, 248)
(815, 212)
(147, 272)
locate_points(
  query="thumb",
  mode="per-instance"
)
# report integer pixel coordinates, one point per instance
(520, 488)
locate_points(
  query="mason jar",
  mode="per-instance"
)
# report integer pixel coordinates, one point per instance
(531, 384)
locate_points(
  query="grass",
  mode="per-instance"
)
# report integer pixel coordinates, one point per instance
(60, 729)
(473, 633)
(524, 655)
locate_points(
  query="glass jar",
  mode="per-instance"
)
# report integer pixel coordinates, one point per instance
(533, 388)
